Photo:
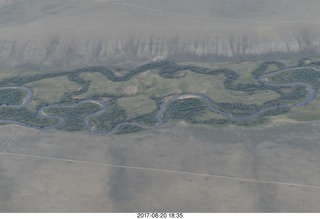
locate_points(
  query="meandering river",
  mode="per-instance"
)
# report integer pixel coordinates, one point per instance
(311, 93)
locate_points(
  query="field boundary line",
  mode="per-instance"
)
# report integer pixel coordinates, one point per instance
(165, 170)
(9, 139)
(260, 20)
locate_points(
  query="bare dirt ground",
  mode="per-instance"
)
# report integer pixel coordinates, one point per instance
(129, 32)
(181, 168)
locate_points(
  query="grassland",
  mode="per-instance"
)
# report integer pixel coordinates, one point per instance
(311, 112)
(137, 105)
(50, 90)
(233, 88)
(151, 84)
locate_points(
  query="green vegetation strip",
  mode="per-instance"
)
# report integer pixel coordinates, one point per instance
(74, 115)
(24, 116)
(11, 96)
(187, 109)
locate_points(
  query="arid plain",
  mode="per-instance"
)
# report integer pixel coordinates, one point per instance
(179, 168)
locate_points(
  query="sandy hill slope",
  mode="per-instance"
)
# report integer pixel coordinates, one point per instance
(74, 33)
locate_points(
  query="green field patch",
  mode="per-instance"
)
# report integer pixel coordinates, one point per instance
(154, 85)
(149, 83)
(244, 69)
(8, 73)
(99, 84)
(311, 112)
(271, 68)
(50, 90)
(220, 94)
(11, 96)
(304, 116)
(137, 105)
(211, 86)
